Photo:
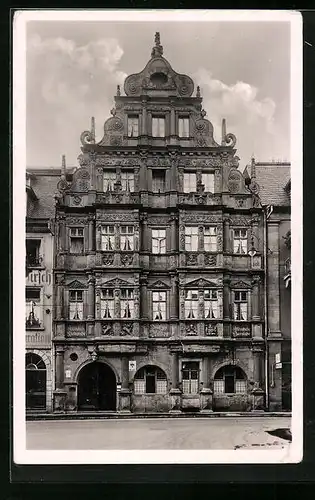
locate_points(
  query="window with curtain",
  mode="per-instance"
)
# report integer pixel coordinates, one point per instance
(191, 238)
(158, 126)
(210, 239)
(133, 126)
(108, 238)
(75, 304)
(76, 240)
(190, 377)
(109, 179)
(229, 380)
(127, 181)
(127, 238)
(150, 380)
(191, 304)
(240, 305)
(33, 309)
(240, 241)
(158, 241)
(183, 127)
(107, 303)
(158, 181)
(190, 182)
(32, 252)
(211, 304)
(159, 306)
(208, 181)
(127, 304)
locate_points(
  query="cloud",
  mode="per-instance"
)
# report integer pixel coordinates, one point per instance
(69, 83)
(251, 118)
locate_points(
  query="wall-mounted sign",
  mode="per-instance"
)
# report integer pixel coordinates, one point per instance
(278, 357)
(278, 366)
(132, 366)
(68, 373)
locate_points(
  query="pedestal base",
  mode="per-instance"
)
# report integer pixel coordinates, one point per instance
(59, 399)
(206, 400)
(258, 404)
(175, 400)
(125, 401)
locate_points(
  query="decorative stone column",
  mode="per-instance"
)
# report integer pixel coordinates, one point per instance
(62, 234)
(172, 130)
(226, 306)
(144, 298)
(206, 392)
(226, 235)
(60, 394)
(144, 121)
(174, 298)
(255, 298)
(91, 295)
(125, 393)
(173, 220)
(91, 235)
(175, 392)
(60, 280)
(99, 237)
(258, 394)
(145, 233)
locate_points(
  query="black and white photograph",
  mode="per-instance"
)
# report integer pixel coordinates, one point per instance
(157, 177)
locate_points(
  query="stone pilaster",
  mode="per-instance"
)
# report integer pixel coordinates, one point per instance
(60, 280)
(125, 393)
(59, 394)
(144, 298)
(255, 298)
(175, 392)
(226, 235)
(174, 297)
(91, 235)
(145, 233)
(91, 295)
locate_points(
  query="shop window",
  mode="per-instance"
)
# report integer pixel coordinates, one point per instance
(158, 241)
(77, 240)
(208, 182)
(128, 181)
(33, 308)
(109, 179)
(210, 239)
(240, 306)
(107, 303)
(191, 238)
(183, 127)
(150, 380)
(108, 238)
(190, 377)
(76, 304)
(190, 182)
(158, 126)
(159, 306)
(240, 241)
(133, 126)
(33, 258)
(229, 380)
(158, 181)
(126, 238)
(35, 382)
(127, 304)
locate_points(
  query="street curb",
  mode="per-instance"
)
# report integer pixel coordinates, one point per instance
(134, 416)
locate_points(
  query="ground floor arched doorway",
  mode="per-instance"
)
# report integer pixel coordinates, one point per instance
(96, 387)
(35, 381)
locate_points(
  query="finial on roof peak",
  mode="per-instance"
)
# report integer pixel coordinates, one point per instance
(253, 168)
(198, 91)
(157, 50)
(93, 130)
(223, 139)
(63, 167)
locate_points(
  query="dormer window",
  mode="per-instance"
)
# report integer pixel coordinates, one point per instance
(158, 126)
(32, 253)
(133, 126)
(183, 127)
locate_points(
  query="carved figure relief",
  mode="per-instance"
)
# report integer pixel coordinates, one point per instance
(108, 259)
(210, 260)
(107, 329)
(126, 259)
(211, 329)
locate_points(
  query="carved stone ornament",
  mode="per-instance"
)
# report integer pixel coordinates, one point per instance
(108, 259)
(210, 260)
(107, 329)
(211, 329)
(126, 259)
(234, 181)
(191, 329)
(87, 137)
(201, 283)
(117, 283)
(77, 200)
(230, 140)
(75, 330)
(117, 217)
(126, 329)
(159, 330)
(240, 285)
(77, 221)
(241, 331)
(191, 259)
(159, 284)
(76, 285)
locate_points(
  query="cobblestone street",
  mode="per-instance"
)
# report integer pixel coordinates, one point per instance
(160, 433)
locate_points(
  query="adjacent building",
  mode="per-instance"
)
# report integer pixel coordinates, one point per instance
(160, 260)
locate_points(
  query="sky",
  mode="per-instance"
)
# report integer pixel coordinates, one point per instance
(73, 68)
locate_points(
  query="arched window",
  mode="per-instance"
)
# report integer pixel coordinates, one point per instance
(229, 380)
(35, 381)
(150, 380)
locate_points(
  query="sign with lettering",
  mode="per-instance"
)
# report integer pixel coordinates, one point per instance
(278, 357)
(68, 373)
(132, 366)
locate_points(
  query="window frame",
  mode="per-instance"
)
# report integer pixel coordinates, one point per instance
(239, 302)
(108, 300)
(190, 370)
(158, 371)
(235, 380)
(188, 190)
(159, 118)
(159, 302)
(38, 318)
(75, 238)
(187, 235)
(129, 301)
(136, 119)
(191, 301)
(127, 182)
(240, 239)
(159, 239)
(38, 260)
(155, 173)
(181, 120)
(212, 300)
(112, 182)
(108, 235)
(208, 237)
(127, 237)
(203, 174)
(77, 301)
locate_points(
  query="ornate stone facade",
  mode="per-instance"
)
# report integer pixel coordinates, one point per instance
(151, 272)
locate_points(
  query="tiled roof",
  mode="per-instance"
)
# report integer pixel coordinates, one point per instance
(272, 180)
(44, 184)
